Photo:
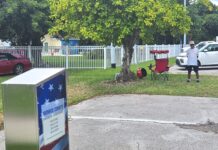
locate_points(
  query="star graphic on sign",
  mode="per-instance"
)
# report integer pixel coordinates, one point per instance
(51, 87)
(42, 86)
(60, 87)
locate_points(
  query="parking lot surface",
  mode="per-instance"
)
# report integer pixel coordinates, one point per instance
(202, 70)
(143, 122)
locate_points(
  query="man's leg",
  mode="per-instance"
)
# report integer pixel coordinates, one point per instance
(197, 75)
(196, 72)
(189, 68)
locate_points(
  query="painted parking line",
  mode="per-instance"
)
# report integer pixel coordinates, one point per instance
(131, 120)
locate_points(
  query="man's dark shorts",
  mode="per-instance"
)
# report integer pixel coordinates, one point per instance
(189, 68)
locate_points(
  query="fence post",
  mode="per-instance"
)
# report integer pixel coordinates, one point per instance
(174, 50)
(67, 61)
(29, 53)
(121, 55)
(146, 52)
(135, 54)
(105, 58)
(113, 57)
(170, 53)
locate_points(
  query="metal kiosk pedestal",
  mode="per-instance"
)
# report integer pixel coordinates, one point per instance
(35, 111)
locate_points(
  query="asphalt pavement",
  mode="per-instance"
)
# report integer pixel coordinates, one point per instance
(143, 122)
(209, 70)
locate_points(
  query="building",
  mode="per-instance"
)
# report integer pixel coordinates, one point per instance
(49, 40)
(54, 45)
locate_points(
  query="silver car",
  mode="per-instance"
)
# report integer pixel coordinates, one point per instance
(208, 56)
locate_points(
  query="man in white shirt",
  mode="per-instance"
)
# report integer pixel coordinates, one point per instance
(192, 62)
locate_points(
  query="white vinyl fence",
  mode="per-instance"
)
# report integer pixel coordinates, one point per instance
(86, 57)
(141, 53)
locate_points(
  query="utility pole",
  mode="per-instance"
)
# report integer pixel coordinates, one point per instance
(184, 39)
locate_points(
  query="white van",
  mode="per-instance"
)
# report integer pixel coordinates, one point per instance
(208, 56)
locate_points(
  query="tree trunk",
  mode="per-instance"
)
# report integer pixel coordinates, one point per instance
(126, 74)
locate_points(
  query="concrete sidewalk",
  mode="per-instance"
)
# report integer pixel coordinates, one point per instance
(139, 122)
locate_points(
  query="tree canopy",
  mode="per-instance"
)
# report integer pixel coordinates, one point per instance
(24, 22)
(108, 21)
(204, 20)
(118, 21)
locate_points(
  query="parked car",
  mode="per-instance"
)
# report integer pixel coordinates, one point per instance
(13, 63)
(199, 45)
(208, 56)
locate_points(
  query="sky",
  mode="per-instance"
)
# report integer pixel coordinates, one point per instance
(214, 2)
(4, 43)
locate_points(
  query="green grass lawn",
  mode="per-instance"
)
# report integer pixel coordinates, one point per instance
(85, 84)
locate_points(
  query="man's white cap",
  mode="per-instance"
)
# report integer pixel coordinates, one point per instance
(191, 42)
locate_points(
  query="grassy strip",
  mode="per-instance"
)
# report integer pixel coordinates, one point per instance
(84, 84)
(83, 87)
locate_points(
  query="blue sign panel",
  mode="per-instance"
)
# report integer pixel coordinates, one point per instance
(52, 114)
(71, 43)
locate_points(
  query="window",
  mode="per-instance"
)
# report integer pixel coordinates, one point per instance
(200, 45)
(211, 48)
(216, 47)
(3, 57)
